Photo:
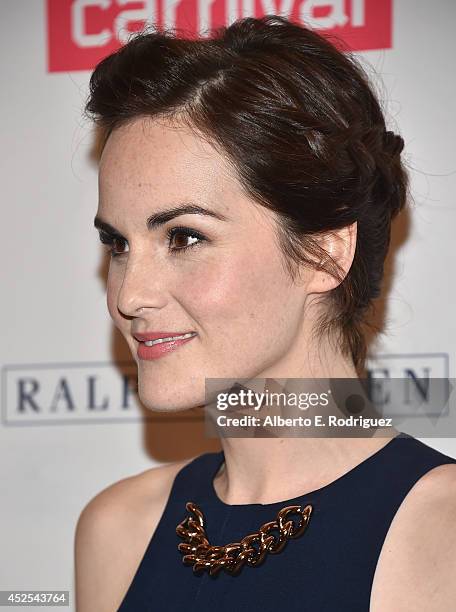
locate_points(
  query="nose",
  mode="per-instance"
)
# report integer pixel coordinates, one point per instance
(143, 286)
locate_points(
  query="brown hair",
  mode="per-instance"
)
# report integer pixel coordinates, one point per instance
(301, 126)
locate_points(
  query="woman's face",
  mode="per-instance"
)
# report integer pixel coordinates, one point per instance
(229, 286)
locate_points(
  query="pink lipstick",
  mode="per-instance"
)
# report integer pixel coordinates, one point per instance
(153, 345)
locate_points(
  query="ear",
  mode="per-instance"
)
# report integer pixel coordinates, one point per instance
(340, 245)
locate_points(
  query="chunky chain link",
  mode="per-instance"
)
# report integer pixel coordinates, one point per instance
(231, 557)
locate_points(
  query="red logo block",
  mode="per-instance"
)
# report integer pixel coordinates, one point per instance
(82, 32)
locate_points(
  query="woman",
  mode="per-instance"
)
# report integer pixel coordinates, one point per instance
(265, 151)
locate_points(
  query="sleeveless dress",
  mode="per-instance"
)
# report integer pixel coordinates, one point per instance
(329, 568)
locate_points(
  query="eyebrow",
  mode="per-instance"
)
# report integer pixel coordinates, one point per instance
(162, 217)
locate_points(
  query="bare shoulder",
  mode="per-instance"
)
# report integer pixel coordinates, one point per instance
(417, 564)
(112, 534)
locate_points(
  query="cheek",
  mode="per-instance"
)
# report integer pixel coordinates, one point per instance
(252, 305)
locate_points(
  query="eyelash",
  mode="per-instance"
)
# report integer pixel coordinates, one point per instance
(109, 240)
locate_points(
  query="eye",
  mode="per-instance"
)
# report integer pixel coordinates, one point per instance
(181, 235)
(185, 234)
(111, 242)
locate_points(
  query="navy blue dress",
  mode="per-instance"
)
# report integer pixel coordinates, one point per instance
(329, 568)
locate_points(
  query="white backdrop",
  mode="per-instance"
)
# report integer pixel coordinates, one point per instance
(70, 423)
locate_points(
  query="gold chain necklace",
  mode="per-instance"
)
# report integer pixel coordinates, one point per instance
(231, 557)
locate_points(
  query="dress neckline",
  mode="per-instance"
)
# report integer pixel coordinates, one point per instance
(219, 458)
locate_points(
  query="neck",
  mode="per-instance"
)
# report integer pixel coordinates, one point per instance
(266, 471)
(271, 469)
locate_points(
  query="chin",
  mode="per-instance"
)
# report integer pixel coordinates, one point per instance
(166, 400)
(163, 407)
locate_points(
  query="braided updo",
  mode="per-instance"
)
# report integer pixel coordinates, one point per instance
(300, 124)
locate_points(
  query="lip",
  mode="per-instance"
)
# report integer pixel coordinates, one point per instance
(161, 349)
(145, 337)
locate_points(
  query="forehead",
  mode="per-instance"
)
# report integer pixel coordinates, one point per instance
(151, 164)
(161, 154)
